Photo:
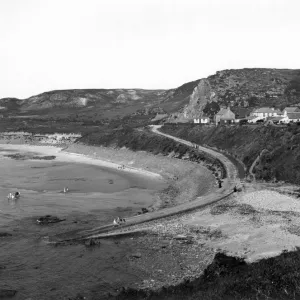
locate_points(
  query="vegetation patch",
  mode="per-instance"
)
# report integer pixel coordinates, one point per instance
(280, 161)
(232, 278)
(221, 209)
(245, 209)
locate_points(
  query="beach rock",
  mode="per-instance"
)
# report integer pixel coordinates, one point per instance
(165, 244)
(222, 259)
(136, 255)
(48, 219)
(5, 234)
(180, 237)
(6, 293)
(92, 242)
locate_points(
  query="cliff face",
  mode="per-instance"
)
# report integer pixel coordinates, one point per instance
(200, 97)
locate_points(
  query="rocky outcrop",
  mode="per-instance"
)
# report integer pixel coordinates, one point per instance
(201, 95)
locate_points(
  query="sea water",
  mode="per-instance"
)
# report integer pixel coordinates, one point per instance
(41, 182)
(37, 270)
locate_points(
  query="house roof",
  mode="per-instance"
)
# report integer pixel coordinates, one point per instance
(205, 117)
(295, 115)
(292, 109)
(265, 110)
(222, 111)
(241, 112)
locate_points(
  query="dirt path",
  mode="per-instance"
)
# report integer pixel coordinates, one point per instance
(228, 183)
(254, 164)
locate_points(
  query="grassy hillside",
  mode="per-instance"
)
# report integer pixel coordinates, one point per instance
(238, 88)
(280, 161)
(144, 140)
(256, 87)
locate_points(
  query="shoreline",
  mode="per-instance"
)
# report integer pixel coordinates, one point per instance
(61, 154)
(186, 180)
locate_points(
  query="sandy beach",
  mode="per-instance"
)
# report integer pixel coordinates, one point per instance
(78, 158)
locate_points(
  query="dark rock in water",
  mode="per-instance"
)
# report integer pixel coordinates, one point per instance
(5, 293)
(5, 234)
(47, 157)
(110, 181)
(16, 156)
(165, 244)
(48, 219)
(144, 210)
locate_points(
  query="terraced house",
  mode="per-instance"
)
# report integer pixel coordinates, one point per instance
(225, 116)
(291, 114)
(265, 112)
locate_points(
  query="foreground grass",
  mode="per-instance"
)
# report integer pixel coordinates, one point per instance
(232, 278)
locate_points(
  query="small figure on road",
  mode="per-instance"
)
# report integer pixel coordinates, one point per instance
(220, 184)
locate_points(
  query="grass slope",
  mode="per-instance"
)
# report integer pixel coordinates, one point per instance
(280, 161)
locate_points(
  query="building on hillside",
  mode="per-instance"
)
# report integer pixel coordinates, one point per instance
(294, 117)
(225, 116)
(241, 113)
(265, 112)
(290, 110)
(202, 120)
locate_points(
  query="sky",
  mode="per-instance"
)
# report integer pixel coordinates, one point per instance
(152, 44)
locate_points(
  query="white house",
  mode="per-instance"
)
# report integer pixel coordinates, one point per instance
(265, 112)
(202, 120)
(294, 117)
(225, 116)
(288, 110)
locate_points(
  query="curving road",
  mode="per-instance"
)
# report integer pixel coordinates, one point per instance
(228, 184)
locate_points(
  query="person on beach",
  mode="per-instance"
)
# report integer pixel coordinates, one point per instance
(115, 223)
(66, 189)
